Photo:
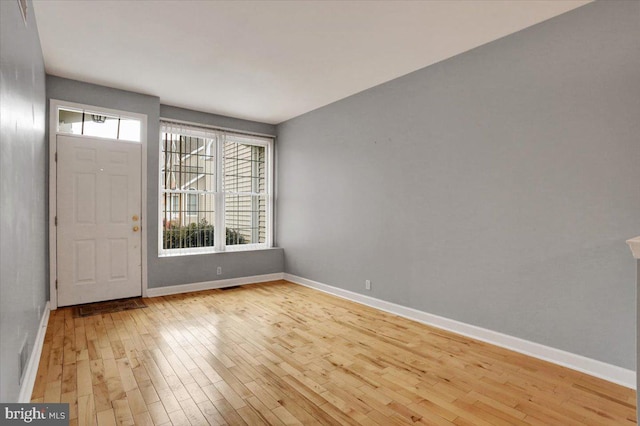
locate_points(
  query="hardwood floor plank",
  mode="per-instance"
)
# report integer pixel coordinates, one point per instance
(192, 411)
(336, 416)
(86, 411)
(251, 416)
(263, 395)
(69, 381)
(229, 413)
(178, 389)
(123, 412)
(71, 398)
(53, 391)
(106, 418)
(169, 401)
(212, 393)
(99, 385)
(265, 413)
(212, 415)
(126, 374)
(158, 413)
(179, 418)
(277, 353)
(143, 419)
(431, 414)
(230, 395)
(136, 402)
(148, 392)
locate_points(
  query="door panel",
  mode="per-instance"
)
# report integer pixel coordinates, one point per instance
(84, 197)
(85, 262)
(98, 190)
(119, 261)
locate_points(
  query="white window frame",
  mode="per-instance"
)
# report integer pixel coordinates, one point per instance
(258, 139)
(187, 206)
(175, 203)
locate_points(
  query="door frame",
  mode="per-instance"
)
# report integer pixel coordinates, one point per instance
(54, 104)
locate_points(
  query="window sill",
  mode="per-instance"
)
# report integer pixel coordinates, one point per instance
(207, 251)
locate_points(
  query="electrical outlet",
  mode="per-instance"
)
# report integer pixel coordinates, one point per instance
(367, 284)
(219, 271)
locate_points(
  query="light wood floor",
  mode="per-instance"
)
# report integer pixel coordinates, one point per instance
(279, 353)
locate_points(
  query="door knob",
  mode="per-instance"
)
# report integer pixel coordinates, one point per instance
(135, 218)
(135, 228)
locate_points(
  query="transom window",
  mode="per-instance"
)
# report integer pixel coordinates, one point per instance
(209, 180)
(90, 123)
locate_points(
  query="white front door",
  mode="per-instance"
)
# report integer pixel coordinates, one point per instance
(98, 213)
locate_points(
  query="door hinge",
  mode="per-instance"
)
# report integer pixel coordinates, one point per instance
(56, 284)
(55, 220)
(56, 157)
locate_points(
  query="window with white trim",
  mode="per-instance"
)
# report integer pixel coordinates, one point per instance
(212, 179)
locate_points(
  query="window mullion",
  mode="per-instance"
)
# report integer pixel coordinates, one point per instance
(220, 229)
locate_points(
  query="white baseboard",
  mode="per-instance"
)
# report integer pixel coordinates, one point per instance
(210, 285)
(34, 359)
(609, 372)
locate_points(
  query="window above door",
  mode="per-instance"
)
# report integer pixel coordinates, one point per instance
(78, 121)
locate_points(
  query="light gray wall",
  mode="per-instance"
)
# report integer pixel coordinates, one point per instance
(495, 188)
(23, 152)
(164, 271)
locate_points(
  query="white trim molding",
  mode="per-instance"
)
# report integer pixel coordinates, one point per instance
(609, 372)
(210, 285)
(54, 106)
(34, 358)
(218, 140)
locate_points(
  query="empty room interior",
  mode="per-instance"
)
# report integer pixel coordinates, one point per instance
(321, 212)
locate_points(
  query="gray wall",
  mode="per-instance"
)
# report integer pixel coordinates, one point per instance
(23, 152)
(164, 271)
(495, 188)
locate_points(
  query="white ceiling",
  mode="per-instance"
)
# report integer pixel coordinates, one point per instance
(267, 60)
